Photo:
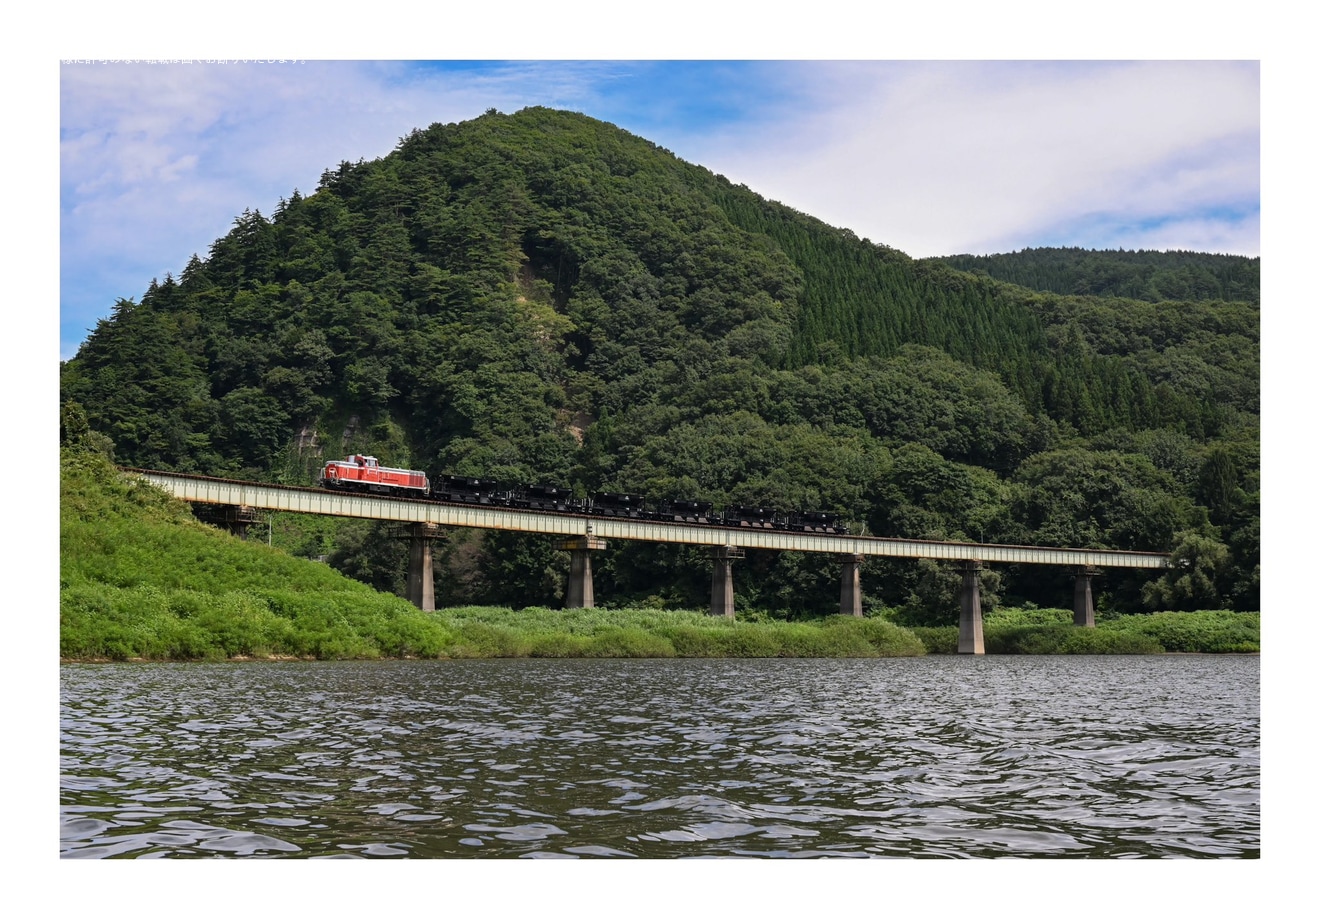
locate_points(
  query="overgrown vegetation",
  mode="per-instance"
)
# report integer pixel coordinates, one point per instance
(1051, 631)
(541, 297)
(141, 579)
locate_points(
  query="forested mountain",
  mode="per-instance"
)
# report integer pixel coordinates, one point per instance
(542, 297)
(1136, 275)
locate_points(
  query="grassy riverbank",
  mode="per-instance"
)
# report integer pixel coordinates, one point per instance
(140, 579)
(1050, 631)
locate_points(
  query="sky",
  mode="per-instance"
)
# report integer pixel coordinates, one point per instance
(157, 159)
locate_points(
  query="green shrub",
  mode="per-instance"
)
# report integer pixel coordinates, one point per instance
(942, 639)
(1014, 616)
(239, 623)
(881, 637)
(1206, 632)
(628, 642)
(750, 640)
(1107, 641)
(1025, 639)
(561, 645)
(479, 640)
(413, 636)
(691, 641)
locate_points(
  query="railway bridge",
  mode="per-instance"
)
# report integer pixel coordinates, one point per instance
(581, 534)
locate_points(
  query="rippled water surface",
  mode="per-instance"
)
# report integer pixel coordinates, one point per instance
(933, 757)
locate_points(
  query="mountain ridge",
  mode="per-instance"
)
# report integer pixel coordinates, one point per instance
(544, 297)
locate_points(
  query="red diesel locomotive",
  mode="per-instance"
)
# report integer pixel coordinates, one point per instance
(365, 473)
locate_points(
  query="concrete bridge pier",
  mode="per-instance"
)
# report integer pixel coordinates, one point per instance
(581, 594)
(971, 638)
(1083, 603)
(850, 586)
(421, 572)
(721, 581)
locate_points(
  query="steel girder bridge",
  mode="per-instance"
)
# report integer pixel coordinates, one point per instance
(582, 533)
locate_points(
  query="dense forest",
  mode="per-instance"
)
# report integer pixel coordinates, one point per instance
(1135, 275)
(544, 298)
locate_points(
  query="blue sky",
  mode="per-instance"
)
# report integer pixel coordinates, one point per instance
(933, 158)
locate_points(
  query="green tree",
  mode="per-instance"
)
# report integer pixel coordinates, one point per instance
(1190, 581)
(368, 551)
(1217, 485)
(77, 434)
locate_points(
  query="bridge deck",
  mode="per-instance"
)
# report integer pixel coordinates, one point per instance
(204, 490)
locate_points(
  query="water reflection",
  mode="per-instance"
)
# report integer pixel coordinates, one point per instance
(935, 757)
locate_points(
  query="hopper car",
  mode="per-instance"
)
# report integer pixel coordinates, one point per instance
(685, 512)
(546, 498)
(609, 504)
(465, 490)
(763, 518)
(365, 474)
(816, 522)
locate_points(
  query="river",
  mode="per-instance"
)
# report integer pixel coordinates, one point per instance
(936, 757)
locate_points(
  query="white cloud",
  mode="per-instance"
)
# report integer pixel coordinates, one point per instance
(1220, 236)
(157, 160)
(942, 158)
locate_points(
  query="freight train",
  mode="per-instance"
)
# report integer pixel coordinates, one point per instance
(365, 474)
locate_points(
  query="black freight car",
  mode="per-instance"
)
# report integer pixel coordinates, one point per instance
(459, 489)
(763, 518)
(546, 498)
(611, 504)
